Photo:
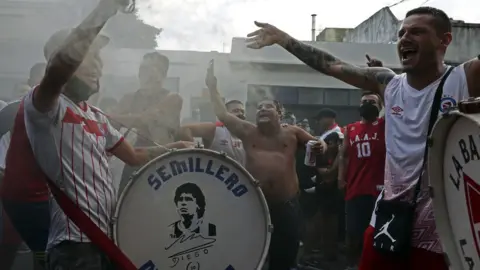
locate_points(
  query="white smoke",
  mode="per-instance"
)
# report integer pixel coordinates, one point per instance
(202, 25)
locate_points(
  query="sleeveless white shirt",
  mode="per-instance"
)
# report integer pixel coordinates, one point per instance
(407, 114)
(224, 141)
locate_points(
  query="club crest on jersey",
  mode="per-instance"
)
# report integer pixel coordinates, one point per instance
(446, 103)
(397, 110)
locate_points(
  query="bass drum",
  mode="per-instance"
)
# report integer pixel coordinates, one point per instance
(116, 165)
(193, 209)
(454, 175)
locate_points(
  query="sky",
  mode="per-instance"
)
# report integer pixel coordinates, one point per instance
(209, 25)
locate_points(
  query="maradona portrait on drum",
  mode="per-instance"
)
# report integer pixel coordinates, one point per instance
(190, 203)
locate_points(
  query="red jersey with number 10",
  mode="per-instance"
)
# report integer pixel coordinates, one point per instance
(366, 158)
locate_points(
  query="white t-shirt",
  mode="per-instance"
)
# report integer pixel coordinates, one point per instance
(224, 141)
(407, 115)
(70, 144)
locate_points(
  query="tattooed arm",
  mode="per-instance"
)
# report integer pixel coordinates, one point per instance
(140, 155)
(368, 78)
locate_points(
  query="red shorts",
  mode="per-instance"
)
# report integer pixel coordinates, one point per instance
(8, 234)
(420, 259)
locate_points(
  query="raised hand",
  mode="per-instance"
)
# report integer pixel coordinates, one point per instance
(373, 62)
(267, 35)
(210, 79)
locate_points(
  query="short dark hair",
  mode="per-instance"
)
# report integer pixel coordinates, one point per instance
(443, 23)
(191, 188)
(371, 93)
(158, 58)
(278, 106)
(233, 101)
(326, 113)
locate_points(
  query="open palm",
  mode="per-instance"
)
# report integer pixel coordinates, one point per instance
(267, 35)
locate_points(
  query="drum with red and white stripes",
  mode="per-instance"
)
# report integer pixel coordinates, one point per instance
(193, 209)
(454, 175)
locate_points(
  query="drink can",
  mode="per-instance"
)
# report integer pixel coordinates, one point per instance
(310, 157)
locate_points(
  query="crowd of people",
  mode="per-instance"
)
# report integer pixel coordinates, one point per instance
(57, 145)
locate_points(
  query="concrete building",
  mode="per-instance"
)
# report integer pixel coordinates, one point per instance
(243, 74)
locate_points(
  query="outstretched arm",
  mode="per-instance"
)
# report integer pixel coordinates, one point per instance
(70, 55)
(368, 78)
(238, 127)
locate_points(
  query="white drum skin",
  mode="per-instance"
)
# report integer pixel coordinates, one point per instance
(235, 227)
(454, 175)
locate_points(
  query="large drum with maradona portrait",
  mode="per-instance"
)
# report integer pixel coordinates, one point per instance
(193, 209)
(454, 175)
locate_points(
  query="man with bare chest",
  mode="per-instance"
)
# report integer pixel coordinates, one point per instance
(270, 157)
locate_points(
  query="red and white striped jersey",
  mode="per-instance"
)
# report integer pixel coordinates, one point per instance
(70, 144)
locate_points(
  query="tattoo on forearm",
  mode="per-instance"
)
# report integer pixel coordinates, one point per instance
(323, 61)
(311, 56)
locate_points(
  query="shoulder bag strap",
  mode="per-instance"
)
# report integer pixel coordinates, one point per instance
(97, 236)
(433, 119)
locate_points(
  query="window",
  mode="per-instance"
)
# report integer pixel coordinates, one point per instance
(310, 96)
(336, 97)
(355, 96)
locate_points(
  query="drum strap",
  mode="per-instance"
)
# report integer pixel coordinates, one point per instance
(433, 119)
(97, 236)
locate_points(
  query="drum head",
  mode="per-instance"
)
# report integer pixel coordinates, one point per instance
(454, 174)
(193, 209)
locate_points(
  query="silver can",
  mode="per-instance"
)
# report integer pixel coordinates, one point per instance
(310, 157)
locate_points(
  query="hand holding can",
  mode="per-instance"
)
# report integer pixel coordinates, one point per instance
(310, 156)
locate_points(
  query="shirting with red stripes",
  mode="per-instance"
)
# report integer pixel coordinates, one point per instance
(70, 143)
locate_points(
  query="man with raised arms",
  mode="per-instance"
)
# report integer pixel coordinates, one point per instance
(216, 136)
(423, 40)
(70, 139)
(270, 157)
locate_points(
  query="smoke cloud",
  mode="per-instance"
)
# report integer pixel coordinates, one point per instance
(200, 25)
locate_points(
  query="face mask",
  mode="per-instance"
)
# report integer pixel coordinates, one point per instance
(78, 91)
(369, 111)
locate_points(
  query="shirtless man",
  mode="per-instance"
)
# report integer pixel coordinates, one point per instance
(216, 136)
(270, 157)
(423, 39)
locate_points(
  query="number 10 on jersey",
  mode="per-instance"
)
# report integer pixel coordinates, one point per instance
(363, 149)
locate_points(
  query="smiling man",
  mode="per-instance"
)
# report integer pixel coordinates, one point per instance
(423, 39)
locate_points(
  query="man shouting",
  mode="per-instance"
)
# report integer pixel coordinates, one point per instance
(270, 157)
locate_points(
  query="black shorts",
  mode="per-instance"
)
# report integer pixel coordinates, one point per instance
(31, 220)
(285, 239)
(359, 212)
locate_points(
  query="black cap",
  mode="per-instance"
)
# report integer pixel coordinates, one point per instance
(326, 113)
